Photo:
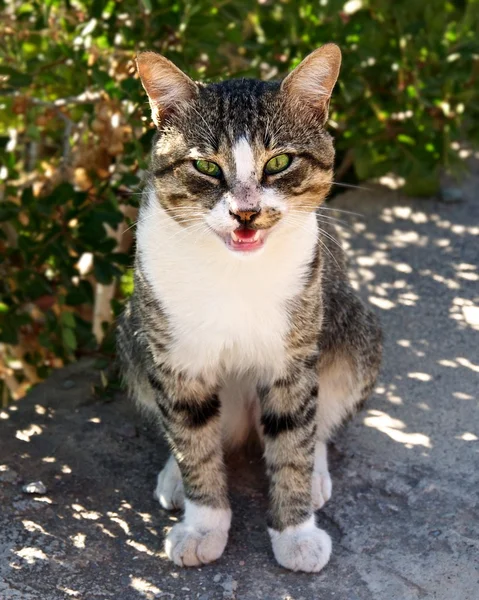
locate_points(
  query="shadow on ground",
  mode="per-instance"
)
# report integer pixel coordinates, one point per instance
(404, 514)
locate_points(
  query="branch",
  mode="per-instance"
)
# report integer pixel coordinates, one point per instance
(345, 165)
(86, 97)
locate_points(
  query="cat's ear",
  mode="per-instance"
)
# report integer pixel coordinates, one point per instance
(312, 82)
(167, 87)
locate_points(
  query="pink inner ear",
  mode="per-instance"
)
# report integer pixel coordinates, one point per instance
(314, 78)
(164, 83)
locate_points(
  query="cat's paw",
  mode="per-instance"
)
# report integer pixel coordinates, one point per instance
(322, 488)
(188, 547)
(169, 487)
(201, 538)
(302, 548)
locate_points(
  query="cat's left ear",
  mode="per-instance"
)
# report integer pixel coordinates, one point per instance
(312, 81)
(167, 87)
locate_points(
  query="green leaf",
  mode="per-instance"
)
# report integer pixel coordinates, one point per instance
(130, 85)
(97, 8)
(80, 294)
(68, 320)
(104, 271)
(8, 210)
(406, 139)
(69, 338)
(8, 333)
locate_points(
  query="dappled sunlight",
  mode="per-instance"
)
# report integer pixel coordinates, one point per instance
(81, 513)
(459, 361)
(26, 434)
(394, 429)
(31, 555)
(146, 589)
(420, 376)
(389, 393)
(465, 362)
(120, 522)
(69, 591)
(34, 527)
(462, 396)
(44, 499)
(129, 528)
(78, 540)
(469, 437)
(141, 548)
(416, 263)
(383, 303)
(417, 272)
(89, 514)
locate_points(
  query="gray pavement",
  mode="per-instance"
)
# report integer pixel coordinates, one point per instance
(404, 515)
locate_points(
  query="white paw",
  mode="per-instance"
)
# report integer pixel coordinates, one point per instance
(169, 487)
(188, 547)
(322, 488)
(302, 548)
(201, 538)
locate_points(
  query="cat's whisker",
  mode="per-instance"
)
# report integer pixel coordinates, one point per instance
(332, 238)
(339, 222)
(335, 223)
(329, 252)
(350, 185)
(180, 215)
(309, 208)
(321, 232)
(341, 210)
(131, 226)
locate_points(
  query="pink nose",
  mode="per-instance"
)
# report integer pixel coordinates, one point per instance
(245, 216)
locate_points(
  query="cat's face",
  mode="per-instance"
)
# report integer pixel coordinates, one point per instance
(239, 157)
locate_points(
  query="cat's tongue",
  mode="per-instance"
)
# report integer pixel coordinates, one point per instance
(245, 240)
(245, 234)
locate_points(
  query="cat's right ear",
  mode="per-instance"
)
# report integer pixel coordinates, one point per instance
(167, 87)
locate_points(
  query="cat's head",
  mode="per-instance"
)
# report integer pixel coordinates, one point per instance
(241, 156)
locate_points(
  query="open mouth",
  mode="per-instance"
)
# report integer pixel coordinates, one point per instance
(245, 239)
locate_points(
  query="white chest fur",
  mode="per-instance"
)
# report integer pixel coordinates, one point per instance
(227, 312)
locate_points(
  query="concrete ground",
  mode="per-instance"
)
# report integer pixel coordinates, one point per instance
(404, 514)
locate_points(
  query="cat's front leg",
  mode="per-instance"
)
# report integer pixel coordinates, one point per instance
(289, 428)
(190, 414)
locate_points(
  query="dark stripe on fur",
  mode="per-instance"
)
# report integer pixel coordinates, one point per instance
(274, 424)
(197, 415)
(155, 383)
(319, 163)
(311, 361)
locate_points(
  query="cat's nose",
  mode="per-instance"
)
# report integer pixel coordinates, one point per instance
(245, 217)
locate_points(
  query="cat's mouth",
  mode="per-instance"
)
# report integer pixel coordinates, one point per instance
(244, 239)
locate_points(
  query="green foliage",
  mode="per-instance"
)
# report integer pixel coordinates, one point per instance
(74, 135)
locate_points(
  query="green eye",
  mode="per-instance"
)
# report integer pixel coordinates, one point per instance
(207, 168)
(277, 164)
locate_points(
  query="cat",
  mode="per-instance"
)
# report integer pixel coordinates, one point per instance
(242, 316)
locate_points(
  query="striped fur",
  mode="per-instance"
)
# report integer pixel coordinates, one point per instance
(216, 342)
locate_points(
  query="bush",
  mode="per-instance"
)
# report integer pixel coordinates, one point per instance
(75, 133)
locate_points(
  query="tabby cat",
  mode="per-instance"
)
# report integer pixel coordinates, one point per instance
(243, 317)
